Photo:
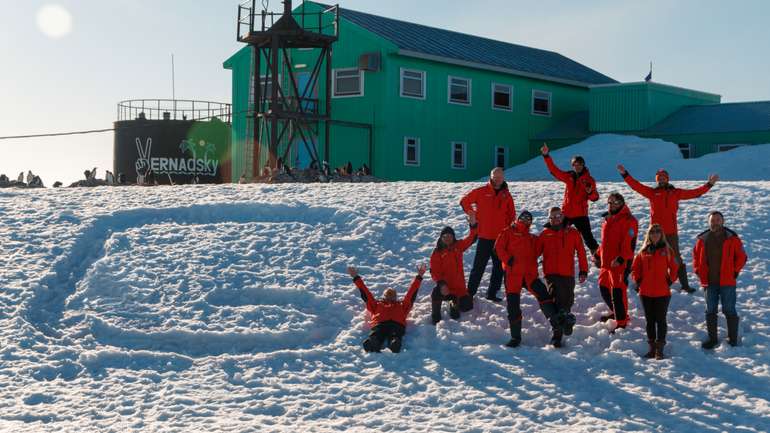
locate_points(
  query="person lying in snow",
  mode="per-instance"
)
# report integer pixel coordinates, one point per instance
(388, 319)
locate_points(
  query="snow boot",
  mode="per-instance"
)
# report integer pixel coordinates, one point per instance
(568, 322)
(435, 318)
(435, 310)
(711, 328)
(454, 310)
(556, 338)
(650, 353)
(732, 330)
(515, 333)
(494, 298)
(659, 345)
(372, 344)
(395, 344)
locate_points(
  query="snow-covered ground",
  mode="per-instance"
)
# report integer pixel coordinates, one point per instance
(227, 308)
(644, 156)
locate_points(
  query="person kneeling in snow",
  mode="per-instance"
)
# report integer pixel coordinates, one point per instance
(388, 314)
(446, 269)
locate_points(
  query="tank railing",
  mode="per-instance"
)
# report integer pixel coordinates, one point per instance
(252, 21)
(173, 109)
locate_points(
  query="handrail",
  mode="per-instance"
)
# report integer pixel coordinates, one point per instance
(173, 109)
(268, 19)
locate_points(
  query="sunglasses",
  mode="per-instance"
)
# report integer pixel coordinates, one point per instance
(615, 202)
(525, 218)
(556, 216)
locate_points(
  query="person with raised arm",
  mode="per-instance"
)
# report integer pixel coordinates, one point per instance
(579, 188)
(446, 269)
(388, 315)
(664, 204)
(495, 210)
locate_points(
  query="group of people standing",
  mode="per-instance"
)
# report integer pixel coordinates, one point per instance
(506, 238)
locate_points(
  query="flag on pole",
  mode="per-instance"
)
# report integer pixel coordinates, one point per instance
(648, 78)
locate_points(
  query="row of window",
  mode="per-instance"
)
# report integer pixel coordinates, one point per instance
(688, 150)
(350, 83)
(458, 156)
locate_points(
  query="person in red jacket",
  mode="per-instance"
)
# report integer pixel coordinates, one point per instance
(579, 188)
(717, 259)
(517, 249)
(664, 205)
(446, 269)
(559, 244)
(495, 211)
(654, 269)
(619, 231)
(388, 314)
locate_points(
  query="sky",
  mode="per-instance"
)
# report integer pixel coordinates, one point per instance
(64, 65)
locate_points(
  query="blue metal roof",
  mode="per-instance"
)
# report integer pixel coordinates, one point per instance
(441, 44)
(715, 118)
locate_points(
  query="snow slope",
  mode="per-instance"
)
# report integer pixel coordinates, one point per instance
(227, 308)
(642, 157)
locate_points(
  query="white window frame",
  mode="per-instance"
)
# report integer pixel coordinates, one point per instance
(688, 147)
(348, 95)
(721, 147)
(449, 91)
(424, 76)
(495, 153)
(464, 146)
(550, 103)
(417, 151)
(510, 94)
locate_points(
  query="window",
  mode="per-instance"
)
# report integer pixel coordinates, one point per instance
(459, 90)
(412, 151)
(412, 84)
(458, 155)
(726, 147)
(501, 156)
(686, 149)
(502, 97)
(541, 103)
(348, 82)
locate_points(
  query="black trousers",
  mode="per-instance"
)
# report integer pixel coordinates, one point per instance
(655, 310)
(544, 299)
(384, 332)
(485, 248)
(562, 289)
(464, 303)
(673, 240)
(583, 225)
(614, 300)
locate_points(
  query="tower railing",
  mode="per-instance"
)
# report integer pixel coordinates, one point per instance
(251, 20)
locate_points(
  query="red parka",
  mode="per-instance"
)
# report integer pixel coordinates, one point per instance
(494, 209)
(383, 311)
(576, 198)
(664, 201)
(446, 265)
(733, 259)
(558, 248)
(618, 240)
(654, 269)
(517, 245)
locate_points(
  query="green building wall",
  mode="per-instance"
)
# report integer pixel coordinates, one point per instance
(435, 121)
(637, 106)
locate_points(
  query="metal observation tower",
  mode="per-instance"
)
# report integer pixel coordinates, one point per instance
(285, 111)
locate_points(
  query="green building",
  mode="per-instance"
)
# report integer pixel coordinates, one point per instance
(420, 103)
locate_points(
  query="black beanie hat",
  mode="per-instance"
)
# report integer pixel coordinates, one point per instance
(578, 158)
(526, 213)
(449, 230)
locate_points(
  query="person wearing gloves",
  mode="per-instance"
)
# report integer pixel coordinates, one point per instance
(388, 315)
(718, 258)
(654, 269)
(619, 231)
(579, 188)
(664, 204)
(559, 244)
(518, 251)
(446, 269)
